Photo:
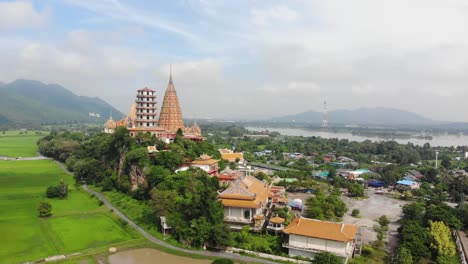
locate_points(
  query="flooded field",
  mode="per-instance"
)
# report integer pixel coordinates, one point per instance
(150, 255)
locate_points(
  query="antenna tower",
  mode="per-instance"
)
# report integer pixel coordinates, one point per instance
(325, 115)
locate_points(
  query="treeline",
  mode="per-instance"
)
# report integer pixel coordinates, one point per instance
(119, 162)
(425, 233)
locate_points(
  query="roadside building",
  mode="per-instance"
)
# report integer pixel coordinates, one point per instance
(306, 237)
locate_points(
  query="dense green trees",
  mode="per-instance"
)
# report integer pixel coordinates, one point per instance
(403, 256)
(265, 243)
(327, 258)
(356, 190)
(190, 203)
(325, 207)
(441, 239)
(425, 227)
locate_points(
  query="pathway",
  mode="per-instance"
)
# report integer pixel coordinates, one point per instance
(163, 243)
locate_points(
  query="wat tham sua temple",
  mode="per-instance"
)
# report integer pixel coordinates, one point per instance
(142, 117)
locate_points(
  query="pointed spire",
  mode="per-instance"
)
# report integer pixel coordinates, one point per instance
(170, 73)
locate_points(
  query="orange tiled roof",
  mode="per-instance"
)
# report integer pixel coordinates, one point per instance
(232, 156)
(246, 193)
(277, 220)
(224, 151)
(205, 162)
(258, 217)
(322, 229)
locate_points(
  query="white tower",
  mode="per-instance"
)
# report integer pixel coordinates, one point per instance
(325, 115)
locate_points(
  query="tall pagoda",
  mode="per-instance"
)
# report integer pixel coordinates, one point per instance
(170, 117)
(145, 108)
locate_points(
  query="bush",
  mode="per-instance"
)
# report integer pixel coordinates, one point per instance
(45, 209)
(383, 221)
(222, 261)
(355, 212)
(100, 202)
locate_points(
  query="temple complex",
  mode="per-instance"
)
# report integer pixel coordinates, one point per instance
(142, 117)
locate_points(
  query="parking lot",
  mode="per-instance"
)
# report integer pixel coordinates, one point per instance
(371, 209)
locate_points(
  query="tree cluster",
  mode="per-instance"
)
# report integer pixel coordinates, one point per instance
(58, 191)
(325, 207)
(190, 203)
(421, 226)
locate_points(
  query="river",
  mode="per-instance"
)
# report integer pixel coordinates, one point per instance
(442, 140)
(150, 256)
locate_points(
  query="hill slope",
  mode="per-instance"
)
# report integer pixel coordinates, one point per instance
(362, 116)
(33, 101)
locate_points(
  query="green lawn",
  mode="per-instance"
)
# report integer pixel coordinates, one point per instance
(14, 145)
(78, 222)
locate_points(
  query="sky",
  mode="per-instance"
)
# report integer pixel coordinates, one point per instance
(246, 59)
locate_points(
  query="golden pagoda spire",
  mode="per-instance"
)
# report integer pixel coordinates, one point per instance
(170, 117)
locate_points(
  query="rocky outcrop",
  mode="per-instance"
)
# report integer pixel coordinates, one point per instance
(137, 177)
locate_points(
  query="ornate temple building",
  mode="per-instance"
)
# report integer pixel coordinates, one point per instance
(142, 117)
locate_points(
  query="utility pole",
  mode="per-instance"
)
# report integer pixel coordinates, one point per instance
(437, 157)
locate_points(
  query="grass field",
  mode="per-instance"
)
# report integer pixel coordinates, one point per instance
(13, 144)
(78, 223)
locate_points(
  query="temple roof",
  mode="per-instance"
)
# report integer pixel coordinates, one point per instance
(146, 89)
(322, 229)
(248, 192)
(277, 220)
(110, 123)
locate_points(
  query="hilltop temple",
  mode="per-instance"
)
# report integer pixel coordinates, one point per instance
(142, 117)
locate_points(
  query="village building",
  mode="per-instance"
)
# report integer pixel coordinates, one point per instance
(306, 237)
(246, 202)
(206, 163)
(406, 185)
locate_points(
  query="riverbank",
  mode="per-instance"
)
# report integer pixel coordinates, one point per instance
(437, 140)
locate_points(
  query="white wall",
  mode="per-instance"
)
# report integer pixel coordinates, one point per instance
(336, 247)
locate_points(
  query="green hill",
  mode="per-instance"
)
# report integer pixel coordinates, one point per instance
(32, 101)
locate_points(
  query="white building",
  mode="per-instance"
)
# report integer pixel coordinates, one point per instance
(245, 203)
(306, 237)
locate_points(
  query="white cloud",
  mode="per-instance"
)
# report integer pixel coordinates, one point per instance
(273, 14)
(19, 14)
(200, 85)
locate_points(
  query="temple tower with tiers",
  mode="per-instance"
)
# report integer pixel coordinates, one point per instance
(170, 117)
(145, 108)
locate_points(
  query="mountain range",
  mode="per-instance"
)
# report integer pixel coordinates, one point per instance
(24, 101)
(362, 116)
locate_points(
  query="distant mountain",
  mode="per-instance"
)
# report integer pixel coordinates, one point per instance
(32, 101)
(361, 116)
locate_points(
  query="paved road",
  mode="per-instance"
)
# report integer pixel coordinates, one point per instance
(164, 244)
(40, 157)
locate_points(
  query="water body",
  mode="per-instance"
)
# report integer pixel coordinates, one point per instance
(442, 141)
(150, 256)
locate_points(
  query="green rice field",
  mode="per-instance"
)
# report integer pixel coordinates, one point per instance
(13, 144)
(78, 223)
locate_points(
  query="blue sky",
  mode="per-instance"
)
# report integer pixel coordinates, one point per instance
(246, 59)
